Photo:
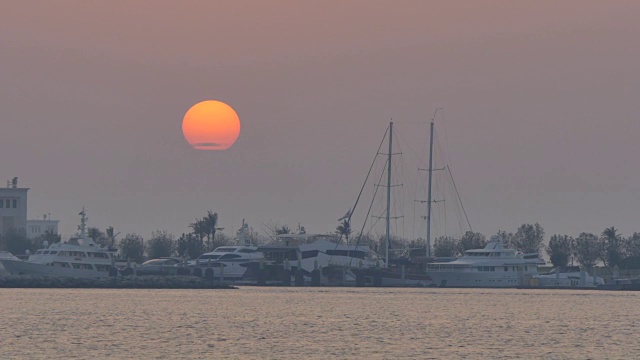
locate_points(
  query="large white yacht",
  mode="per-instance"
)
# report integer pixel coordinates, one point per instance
(493, 266)
(79, 257)
(322, 251)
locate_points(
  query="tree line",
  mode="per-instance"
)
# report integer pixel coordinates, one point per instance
(609, 248)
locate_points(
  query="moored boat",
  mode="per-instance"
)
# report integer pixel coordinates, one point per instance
(493, 266)
(79, 257)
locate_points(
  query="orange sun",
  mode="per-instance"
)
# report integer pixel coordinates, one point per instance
(211, 125)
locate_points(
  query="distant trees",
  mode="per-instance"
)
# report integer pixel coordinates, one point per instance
(15, 242)
(528, 238)
(588, 249)
(445, 246)
(344, 229)
(471, 240)
(206, 227)
(161, 244)
(560, 249)
(132, 247)
(190, 246)
(612, 247)
(102, 238)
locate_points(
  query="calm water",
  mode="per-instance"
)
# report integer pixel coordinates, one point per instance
(291, 323)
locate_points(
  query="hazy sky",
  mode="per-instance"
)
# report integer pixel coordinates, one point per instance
(540, 98)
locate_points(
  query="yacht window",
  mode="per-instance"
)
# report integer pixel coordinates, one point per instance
(46, 252)
(525, 269)
(15, 203)
(38, 252)
(82, 266)
(493, 268)
(97, 255)
(506, 268)
(102, 267)
(309, 254)
(53, 252)
(229, 256)
(207, 257)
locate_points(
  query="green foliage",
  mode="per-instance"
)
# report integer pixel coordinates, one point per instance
(16, 242)
(50, 237)
(132, 247)
(588, 249)
(471, 240)
(190, 246)
(344, 229)
(445, 246)
(528, 238)
(560, 249)
(613, 247)
(161, 244)
(98, 236)
(632, 245)
(206, 227)
(284, 229)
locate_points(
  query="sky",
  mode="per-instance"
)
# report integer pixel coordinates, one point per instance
(540, 108)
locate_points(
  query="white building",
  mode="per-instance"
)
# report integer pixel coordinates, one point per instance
(37, 228)
(13, 207)
(13, 213)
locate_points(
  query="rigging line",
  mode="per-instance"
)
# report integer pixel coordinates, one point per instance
(364, 223)
(362, 188)
(458, 195)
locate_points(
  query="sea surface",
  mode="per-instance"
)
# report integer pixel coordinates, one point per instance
(319, 323)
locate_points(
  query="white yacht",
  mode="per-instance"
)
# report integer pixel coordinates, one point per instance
(569, 276)
(322, 251)
(232, 261)
(493, 266)
(79, 257)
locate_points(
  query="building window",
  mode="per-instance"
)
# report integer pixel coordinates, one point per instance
(15, 203)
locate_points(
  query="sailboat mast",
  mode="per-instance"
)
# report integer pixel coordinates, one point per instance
(388, 240)
(429, 202)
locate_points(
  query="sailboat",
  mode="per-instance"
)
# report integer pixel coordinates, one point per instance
(403, 271)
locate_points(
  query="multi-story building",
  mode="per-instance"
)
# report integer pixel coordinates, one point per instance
(13, 213)
(38, 227)
(13, 208)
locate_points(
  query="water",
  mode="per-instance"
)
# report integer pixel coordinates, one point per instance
(297, 323)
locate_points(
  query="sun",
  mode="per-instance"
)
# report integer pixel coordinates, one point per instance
(211, 125)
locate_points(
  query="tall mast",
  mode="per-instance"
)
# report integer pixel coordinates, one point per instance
(428, 241)
(388, 194)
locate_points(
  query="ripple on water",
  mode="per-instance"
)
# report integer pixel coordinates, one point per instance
(292, 323)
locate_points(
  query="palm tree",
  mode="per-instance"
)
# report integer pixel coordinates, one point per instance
(344, 229)
(284, 229)
(199, 229)
(211, 226)
(612, 246)
(111, 235)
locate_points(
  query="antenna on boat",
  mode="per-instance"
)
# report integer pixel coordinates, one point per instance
(83, 223)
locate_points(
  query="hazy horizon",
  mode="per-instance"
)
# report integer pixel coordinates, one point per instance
(538, 96)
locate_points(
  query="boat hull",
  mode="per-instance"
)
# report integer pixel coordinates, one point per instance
(21, 267)
(478, 279)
